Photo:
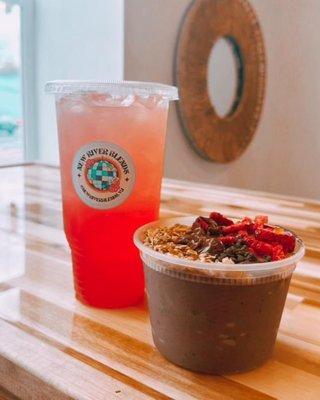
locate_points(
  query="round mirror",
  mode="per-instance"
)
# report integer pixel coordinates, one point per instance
(220, 70)
(225, 76)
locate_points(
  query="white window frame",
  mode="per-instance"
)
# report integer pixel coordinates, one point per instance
(27, 40)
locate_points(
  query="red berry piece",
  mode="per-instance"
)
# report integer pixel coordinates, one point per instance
(220, 219)
(241, 226)
(259, 248)
(278, 253)
(228, 240)
(287, 241)
(202, 223)
(261, 220)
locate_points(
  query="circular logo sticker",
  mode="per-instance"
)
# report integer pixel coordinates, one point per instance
(103, 175)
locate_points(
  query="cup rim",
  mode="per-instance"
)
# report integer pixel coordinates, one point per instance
(219, 266)
(117, 88)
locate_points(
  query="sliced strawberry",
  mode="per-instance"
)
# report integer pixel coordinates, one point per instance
(240, 226)
(228, 240)
(278, 253)
(287, 241)
(259, 248)
(261, 220)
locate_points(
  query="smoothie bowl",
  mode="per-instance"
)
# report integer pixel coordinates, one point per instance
(216, 289)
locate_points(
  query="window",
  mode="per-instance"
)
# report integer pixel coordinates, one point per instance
(16, 82)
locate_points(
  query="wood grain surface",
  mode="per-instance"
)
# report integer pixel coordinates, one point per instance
(53, 347)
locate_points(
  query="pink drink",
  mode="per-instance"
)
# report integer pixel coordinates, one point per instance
(111, 143)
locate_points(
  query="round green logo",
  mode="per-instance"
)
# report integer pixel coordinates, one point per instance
(103, 174)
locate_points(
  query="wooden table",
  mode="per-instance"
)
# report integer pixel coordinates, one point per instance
(52, 347)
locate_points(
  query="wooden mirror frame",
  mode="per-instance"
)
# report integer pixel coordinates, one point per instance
(205, 21)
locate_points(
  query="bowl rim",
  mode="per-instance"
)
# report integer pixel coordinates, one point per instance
(216, 266)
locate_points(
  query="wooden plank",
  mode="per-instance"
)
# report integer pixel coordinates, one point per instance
(298, 353)
(42, 326)
(32, 369)
(85, 340)
(282, 381)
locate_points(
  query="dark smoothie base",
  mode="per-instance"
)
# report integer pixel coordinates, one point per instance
(212, 328)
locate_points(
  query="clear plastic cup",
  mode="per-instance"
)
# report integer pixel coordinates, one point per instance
(111, 141)
(213, 317)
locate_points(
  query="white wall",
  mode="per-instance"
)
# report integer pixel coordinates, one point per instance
(74, 39)
(285, 152)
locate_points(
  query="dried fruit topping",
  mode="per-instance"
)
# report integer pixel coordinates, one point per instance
(286, 240)
(235, 228)
(261, 220)
(278, 253)
(219, 239)
(259, 248)
(220, 219)
(207, 225)
(228, 240)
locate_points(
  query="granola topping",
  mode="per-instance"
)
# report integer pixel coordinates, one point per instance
(219, 239)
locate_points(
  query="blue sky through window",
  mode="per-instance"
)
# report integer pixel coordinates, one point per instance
(10, 85)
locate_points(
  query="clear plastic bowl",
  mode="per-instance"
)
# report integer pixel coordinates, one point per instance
(214, 317)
